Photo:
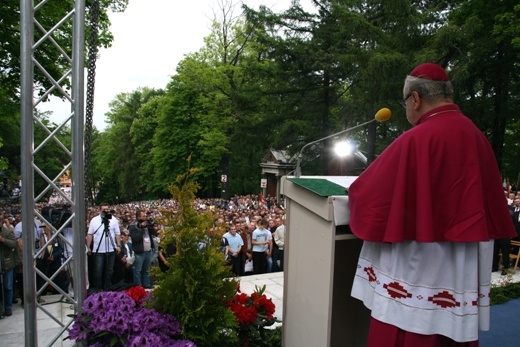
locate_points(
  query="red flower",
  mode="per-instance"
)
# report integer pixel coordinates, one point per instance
(241, 299)
(137, 293)
(269, 309)
(245, 315)
(249, 308)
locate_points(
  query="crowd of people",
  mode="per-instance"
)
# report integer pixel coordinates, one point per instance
(123, 243)
(503, 246)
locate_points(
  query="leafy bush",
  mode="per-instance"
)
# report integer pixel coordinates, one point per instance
(504, 291)
(197, 286)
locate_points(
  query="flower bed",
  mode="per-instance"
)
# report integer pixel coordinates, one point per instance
(119, 319)
(255, 313)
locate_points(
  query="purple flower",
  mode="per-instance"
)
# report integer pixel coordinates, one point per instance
(144, 339)
(148, 319)
(184, 343)
(77, 331)
(115, 314)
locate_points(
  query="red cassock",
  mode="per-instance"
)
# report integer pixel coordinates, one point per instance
(437, 182)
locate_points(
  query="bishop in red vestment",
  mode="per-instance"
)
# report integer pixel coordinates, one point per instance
(428, 209)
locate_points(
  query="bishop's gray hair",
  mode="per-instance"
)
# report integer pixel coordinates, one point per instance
(428, 89)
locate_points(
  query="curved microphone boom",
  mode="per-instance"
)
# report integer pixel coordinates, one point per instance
(382, 115)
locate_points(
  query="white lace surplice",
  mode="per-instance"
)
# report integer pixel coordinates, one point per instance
(427, 288)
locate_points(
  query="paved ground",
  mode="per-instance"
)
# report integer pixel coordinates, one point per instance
(12, 328)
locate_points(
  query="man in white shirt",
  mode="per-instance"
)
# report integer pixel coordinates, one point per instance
(235, 245)
(103, 242)
(261, 241)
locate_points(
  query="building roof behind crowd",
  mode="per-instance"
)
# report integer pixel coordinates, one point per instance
(278, 156)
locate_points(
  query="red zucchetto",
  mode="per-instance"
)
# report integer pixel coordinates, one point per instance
(430, 71)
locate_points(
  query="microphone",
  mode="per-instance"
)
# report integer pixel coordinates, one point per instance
(382, 115)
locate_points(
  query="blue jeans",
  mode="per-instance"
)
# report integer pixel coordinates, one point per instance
(8, 288)
(275, 257)
(103, 270)
(269, 264)
(141, 269)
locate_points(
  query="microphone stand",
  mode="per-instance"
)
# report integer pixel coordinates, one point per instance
(298, 171)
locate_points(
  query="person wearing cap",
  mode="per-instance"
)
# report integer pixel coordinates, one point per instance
(424, 270)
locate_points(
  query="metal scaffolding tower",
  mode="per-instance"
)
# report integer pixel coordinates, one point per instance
(74, 76)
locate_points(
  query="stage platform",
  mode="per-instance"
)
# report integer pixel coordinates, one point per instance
(12, 328)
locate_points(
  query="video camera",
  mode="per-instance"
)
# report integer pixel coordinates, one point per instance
(149, 225)
(56, 215)
(106, 217)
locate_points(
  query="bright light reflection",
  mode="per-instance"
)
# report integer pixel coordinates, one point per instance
(343, 148)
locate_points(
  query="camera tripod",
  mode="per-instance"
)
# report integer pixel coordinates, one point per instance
(105, 281)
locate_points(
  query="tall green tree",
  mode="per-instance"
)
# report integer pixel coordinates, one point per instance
(9, 131)
(484, 60)
(53, 62)
(46, 54)
(119, 153)
(216, 97)
(142, 134)
(280, 80)
(178, 132)
(325, 55)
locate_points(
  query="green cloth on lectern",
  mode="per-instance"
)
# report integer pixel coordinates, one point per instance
(320, 186)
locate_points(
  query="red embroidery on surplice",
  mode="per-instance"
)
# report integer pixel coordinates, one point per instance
(397, 291)
(444, 300)
(371, 274)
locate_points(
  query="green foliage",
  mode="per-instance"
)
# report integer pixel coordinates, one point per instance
(501, 294)
(51, 59)
(486, 89)
(177, 134)
(280, 80)
(121, 162)
(3, 161)
(269, 338)
(10, 129)
(50, 158)
(198, 283)
(54, 63)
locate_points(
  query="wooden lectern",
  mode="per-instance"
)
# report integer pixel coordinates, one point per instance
(321, 256)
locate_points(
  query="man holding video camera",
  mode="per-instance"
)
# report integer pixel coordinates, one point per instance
(142, 233)
(103, 242)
